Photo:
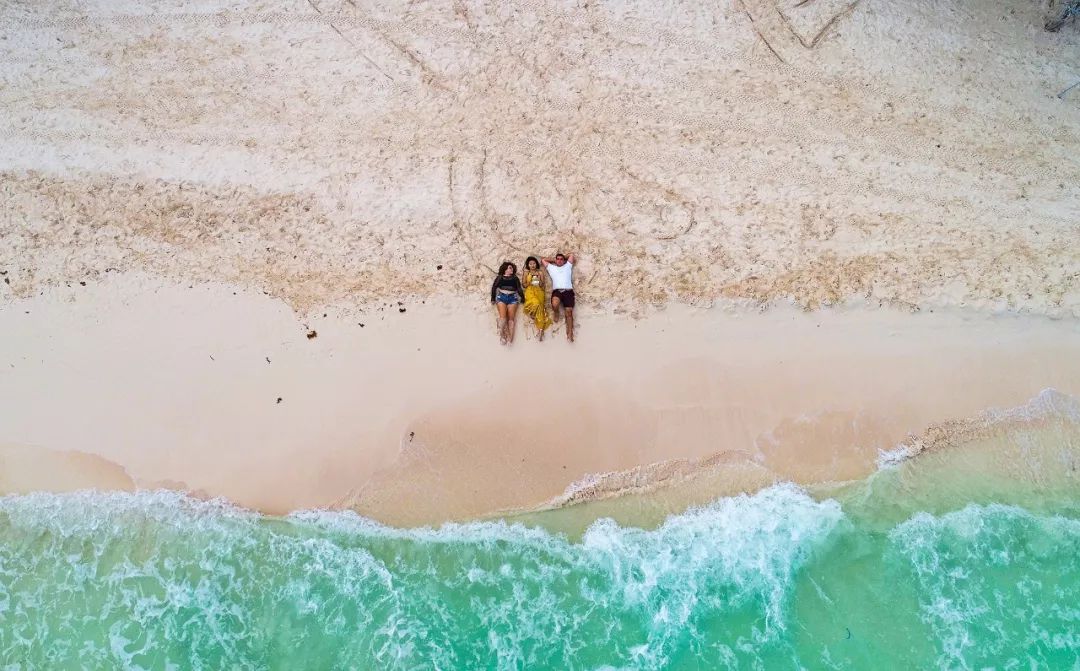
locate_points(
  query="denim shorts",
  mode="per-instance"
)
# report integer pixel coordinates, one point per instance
(507, 299)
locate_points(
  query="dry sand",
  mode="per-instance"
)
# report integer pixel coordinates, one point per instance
(336, 152)
(187, 187)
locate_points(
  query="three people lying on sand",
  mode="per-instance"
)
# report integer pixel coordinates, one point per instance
(508, 291)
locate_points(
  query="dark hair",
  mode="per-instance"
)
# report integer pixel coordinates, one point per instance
(534, 260)
(504, 266)
(558, 254)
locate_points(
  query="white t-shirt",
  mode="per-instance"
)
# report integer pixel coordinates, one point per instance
(560, 275)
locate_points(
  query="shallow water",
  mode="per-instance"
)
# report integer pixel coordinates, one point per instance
(966, 556)
(774, 580)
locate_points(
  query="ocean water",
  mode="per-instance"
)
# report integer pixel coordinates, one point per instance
(910, 569)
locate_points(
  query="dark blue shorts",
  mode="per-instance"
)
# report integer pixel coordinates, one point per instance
(507, 299)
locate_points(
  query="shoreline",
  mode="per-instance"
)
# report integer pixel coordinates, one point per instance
(177, 387)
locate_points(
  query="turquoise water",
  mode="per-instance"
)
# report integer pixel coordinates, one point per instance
(775, 580)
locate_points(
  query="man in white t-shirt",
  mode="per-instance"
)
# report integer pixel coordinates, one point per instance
(561, 270)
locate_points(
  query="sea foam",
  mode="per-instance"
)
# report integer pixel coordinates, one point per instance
(773, 580)
(140, 580)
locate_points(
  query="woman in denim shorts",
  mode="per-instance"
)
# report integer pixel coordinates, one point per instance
(506, 294)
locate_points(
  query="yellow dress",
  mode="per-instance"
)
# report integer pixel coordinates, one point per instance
(536, 300)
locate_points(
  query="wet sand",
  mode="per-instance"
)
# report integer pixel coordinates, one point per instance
(420, 415)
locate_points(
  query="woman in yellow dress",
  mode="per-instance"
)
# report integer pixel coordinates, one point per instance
(535, 298)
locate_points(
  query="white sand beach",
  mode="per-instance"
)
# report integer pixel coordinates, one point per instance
(420, 415)
(805, 232)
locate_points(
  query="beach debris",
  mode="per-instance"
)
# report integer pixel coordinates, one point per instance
(212, 358)
(1067, 89)
(361, 324)
(82, 284)
(438, 267)
(848, 633)
(267, 359)
(312, 334)
(401, 309)
(279, 399)
(1058, 13)
(412, 434)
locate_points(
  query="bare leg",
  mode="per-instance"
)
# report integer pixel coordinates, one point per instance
(555, 303)
(502, 321)
(570, 324)
(511, 322)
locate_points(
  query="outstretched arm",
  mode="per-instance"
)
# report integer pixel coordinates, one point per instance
(545, 260)
(571, 259)
(493, 285)
(521, 290)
